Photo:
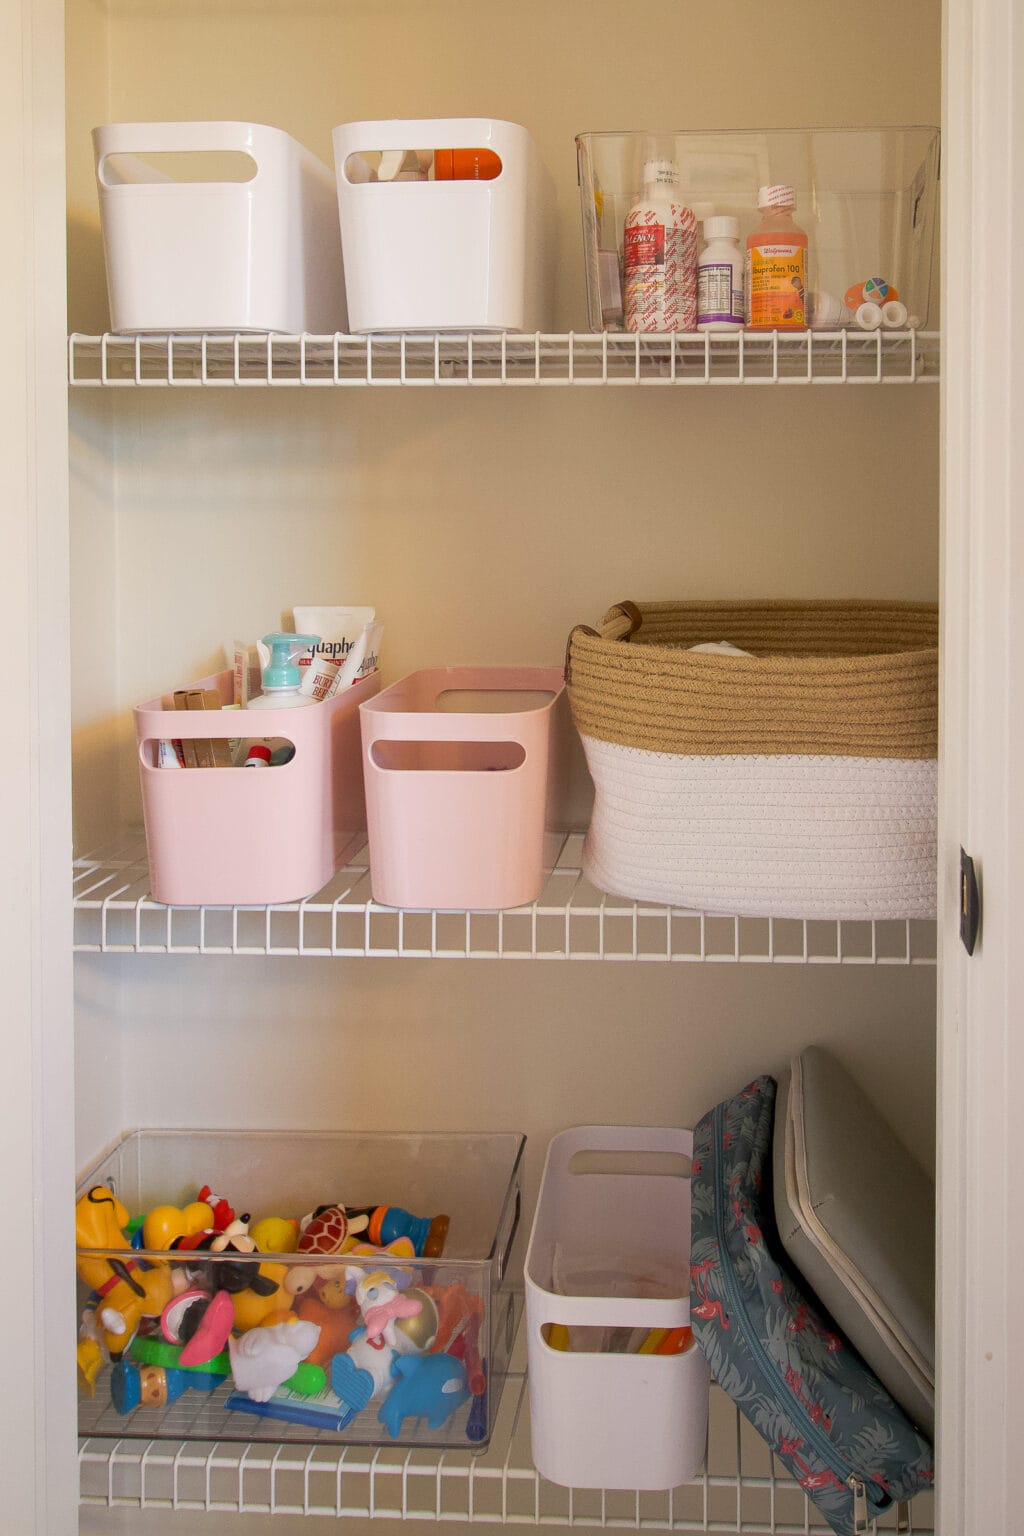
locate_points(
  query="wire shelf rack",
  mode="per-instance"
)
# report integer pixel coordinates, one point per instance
(742, 1486)
(445, 359)
(571, 920)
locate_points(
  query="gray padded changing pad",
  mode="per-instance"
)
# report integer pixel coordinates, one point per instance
(856, 1215)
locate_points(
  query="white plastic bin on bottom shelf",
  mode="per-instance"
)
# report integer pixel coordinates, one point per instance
(610, 1254)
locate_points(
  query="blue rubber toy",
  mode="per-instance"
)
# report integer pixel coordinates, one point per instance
(427, 1387)
(162, 1384)
(352, 1384)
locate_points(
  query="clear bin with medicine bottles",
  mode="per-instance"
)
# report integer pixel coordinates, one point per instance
(446, 225)
(438, 1325)
(867, 199)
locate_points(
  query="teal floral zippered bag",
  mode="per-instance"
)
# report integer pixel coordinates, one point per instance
(770, 1347)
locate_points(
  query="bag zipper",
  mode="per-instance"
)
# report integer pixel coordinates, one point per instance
(860, 1503)
(823, 1447)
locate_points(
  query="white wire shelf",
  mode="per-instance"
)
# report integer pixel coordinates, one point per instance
(799, 357)
(571, 920)
(742, 1486)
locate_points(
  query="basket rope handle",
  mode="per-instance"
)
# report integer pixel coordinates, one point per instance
(619, 623)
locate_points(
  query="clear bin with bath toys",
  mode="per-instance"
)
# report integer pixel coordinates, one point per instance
(297, 1286)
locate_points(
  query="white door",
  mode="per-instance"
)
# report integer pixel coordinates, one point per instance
(981, 1058)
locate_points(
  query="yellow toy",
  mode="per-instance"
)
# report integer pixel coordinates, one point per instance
(255, 1311)
(275, 1234)
(125, 1290)
(164, 1224)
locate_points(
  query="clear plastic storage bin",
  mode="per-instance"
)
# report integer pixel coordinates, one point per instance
(456, 762)
(618, 1388)
(231, 836)
(217, 227)
(445, 225)
(437, 1359)
(867, 199)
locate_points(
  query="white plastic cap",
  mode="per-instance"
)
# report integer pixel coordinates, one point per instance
(894, 315)
(868, 316)
(721, 227)
(661, 173)
(776, 196)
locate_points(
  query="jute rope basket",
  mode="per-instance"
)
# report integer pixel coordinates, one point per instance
(832, 678)
(796, 780)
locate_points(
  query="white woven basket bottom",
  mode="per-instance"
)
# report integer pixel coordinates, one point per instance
(795, 836)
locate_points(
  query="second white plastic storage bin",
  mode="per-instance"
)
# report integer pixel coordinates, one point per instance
(445, 225)
(607, 1272)
(217, 227)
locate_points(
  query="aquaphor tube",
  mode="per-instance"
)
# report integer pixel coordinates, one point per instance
(339, 629)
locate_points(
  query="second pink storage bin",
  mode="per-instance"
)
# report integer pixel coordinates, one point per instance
(456, 764)
(238, 836)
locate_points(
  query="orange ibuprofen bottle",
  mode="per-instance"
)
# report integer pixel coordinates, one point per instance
(777, 265)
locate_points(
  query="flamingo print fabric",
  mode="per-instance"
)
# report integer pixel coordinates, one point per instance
(772, 1348)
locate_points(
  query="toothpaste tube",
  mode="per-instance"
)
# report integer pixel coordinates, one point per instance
(170, 755)
(362, 659)
(339, 629)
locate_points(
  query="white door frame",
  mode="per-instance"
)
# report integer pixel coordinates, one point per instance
(37, 1405)
(981, 1042)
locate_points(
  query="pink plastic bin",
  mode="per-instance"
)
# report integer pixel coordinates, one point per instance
(252, 836)
(456, 769)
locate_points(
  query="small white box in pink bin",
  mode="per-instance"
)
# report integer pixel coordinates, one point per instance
(446, 225)
(456, 763)
(226, 836)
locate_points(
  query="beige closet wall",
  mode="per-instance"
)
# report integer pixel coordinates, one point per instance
(482, 524)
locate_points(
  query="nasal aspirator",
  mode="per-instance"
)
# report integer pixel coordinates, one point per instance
(281, 677)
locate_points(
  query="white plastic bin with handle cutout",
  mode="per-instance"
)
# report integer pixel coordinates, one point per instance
(609, 1261)
(429, 250)
(217, 227)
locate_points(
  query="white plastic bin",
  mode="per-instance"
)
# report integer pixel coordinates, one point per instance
(460, 252)
(255, 248)
(610, 1254)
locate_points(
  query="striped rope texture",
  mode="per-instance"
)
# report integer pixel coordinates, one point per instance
(825, 678)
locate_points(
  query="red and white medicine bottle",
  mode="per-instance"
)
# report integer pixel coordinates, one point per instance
(777, 265)
(660, 255)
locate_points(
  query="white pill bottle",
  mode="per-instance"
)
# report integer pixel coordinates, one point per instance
(660, 255)
(720, 305)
